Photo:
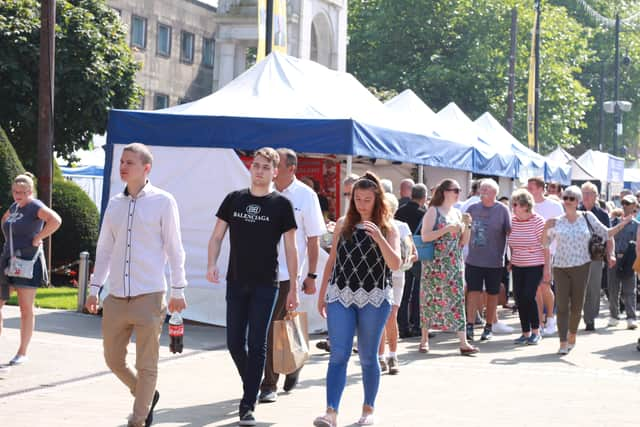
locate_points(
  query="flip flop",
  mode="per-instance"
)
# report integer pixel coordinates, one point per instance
(366, 420)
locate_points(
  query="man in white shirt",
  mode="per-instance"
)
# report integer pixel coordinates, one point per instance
(310, 223)
(546, 208)
(140, 232)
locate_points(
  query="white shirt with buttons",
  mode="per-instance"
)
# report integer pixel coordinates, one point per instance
(309, 220)
(137, 238)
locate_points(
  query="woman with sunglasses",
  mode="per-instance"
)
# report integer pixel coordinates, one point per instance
(356, 293)
(572, 232)
(442, 285)
(527, 263)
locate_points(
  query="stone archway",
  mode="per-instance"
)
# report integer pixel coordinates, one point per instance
(321, 40)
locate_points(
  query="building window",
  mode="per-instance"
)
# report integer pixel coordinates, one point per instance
(163, 46)
(186, 47)
(138, 31)
(208, 51)
(160, 101)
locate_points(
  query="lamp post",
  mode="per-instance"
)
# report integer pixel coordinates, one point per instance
(617, 107)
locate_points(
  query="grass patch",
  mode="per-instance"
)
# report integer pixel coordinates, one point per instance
(64, 298)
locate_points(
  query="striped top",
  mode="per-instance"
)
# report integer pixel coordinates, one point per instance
(525, 241)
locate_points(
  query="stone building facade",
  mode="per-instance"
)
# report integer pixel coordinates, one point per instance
(189, 49)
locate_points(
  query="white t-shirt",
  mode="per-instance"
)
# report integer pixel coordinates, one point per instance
(470, 201)
(549, 209)
(309, 220)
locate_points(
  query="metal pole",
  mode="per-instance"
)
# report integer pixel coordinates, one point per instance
(512, 71)
(45, 107)
(601, 113)
(616, 109)
(269, 27)
(536, 120)
(83, 280)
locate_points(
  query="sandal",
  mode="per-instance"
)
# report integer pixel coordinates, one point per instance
(468, 351)
(323, 421)
(423, 348)
(366, 420)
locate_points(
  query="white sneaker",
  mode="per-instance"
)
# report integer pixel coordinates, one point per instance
(612, 322)
(543, 331)
(550, 326)
(501, 328)
(18, 359)
(631, 324)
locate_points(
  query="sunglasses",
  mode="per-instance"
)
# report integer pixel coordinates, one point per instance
(345, 194)
(455, 190)
(569, 198)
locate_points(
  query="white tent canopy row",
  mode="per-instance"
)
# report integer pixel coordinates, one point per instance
(280, 102)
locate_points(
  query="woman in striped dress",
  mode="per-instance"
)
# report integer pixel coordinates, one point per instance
(527, 263)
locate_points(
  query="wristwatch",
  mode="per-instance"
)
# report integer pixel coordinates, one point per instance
(312, 275)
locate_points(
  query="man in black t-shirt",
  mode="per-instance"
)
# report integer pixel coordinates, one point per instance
(409, 311)
(256, 218)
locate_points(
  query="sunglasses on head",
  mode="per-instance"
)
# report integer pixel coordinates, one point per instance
(569, 198)
(455, 190)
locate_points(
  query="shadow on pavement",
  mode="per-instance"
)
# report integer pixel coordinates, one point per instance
(70, 323)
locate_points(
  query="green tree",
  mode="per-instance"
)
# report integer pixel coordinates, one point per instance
(10, 167)
(602, 69)
(95, 71)
(458, 50)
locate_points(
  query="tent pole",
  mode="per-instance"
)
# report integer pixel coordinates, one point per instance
(421, 174)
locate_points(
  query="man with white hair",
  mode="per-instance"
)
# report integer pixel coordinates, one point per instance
(591, 308)
(622, 278)
(485, 261)
(406, 185)
(387, 185)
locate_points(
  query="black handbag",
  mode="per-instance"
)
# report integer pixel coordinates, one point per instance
(597, 245)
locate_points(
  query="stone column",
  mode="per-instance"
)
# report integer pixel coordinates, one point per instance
(340, 46)
(227, 62)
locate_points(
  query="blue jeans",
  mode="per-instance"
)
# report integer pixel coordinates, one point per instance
(343, 322)
(249, 312)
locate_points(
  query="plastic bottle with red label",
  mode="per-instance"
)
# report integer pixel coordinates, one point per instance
(176, 333)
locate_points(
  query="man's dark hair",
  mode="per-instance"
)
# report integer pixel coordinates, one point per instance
(418, 192)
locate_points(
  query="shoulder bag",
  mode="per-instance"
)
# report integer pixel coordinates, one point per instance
(597, 245)
(425, 249)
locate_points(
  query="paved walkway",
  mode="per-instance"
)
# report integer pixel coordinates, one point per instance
(65, 382)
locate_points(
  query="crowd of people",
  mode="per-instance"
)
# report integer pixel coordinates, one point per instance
(552, 249)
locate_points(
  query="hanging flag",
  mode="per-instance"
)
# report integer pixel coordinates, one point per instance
(531, 101)
(279, 26)
(262, 30)
(278, 29)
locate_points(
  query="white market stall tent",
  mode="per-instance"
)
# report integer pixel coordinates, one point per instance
(279, 102)
(607, 168)
(578, 171)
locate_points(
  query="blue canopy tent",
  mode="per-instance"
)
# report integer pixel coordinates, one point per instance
(279, 102)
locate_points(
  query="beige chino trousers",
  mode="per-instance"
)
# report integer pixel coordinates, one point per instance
(121, 317)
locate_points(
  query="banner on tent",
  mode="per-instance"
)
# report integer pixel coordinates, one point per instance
(321, 174)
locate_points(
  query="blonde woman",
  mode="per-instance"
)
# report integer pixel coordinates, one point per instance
(29, 221)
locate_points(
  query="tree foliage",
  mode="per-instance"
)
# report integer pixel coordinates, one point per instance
(602, 70)
(10, 167)
(94, 71)
(80, 222)
(458, 50)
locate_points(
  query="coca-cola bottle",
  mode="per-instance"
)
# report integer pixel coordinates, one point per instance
(176, 333)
